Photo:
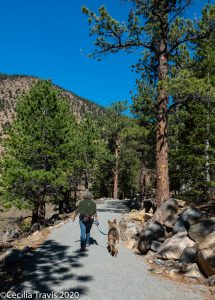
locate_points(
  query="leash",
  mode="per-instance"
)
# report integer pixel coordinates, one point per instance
(101, 231)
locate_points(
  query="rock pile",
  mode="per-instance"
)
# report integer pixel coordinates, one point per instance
(176, 239)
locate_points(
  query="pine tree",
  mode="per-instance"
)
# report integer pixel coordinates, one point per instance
(157, 27)
(134, 158)
(38, 151)
(91, 151)
(192, 128)
(122, 164)
(112, 124)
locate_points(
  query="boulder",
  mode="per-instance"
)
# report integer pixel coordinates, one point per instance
(188, 255)
(155, 246)
(137, 215)
(166, 213)
(174, 246)
(204, 265)
(150, 255)
(188, 217)
(181, 225)
(170, 222)
(193, 215)
(210, 280)
(130, 244)
(192, 271)
(200, 230)
(152, 231)
(161, 239)
(148, 216)
(128, 229)
(207, 246)
(181, 203)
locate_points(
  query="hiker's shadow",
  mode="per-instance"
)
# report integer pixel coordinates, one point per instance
(51, 267)
(92, 241)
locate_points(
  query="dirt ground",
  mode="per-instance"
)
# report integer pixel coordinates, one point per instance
(10, 219)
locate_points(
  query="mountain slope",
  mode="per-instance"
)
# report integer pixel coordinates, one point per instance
(13, 86)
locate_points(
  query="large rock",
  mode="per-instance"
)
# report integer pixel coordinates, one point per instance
(188, 256)
(210, 280)
(204, 264)
(129, 229)
(192, 271)
(166, 213)
(200, 230)
(207, 247)
(193, 215)
(137, 215)
(181, 203)
(130, 244)
(152, 231)
(187, 218)
(181, 225)
(173, 247)
(155, 246)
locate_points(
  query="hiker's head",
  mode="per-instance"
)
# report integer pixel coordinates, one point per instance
(87, 195)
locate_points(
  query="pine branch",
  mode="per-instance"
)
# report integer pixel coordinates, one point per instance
(200, 36)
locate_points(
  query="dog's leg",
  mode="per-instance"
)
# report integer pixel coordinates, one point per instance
(108, 247)
(112, 249)
(116, 248)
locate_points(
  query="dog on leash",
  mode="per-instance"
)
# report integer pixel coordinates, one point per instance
(113, 238)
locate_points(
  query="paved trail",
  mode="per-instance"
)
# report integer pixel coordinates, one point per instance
(59, 266)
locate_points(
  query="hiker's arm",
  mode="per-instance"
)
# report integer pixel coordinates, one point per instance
(74, 214)
(95, 215)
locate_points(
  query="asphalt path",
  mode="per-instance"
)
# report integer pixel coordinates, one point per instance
(59, 270)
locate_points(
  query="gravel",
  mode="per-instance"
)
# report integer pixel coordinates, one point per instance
(59, 267)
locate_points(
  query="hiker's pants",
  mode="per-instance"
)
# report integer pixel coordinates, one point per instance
(85, 233)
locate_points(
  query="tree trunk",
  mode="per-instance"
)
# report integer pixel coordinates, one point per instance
(35, 214)
(41, 212)
(162, 193)
(207, 147)
(66, 200)
(116, 174)
(86, 182)
(142, 180)
(60, 206)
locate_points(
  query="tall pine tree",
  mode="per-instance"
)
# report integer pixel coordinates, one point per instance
(39, 150)
(157, 27)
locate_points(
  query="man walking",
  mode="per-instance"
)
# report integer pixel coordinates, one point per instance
(87, 213)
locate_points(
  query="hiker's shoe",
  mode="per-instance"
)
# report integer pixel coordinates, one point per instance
(82, 249)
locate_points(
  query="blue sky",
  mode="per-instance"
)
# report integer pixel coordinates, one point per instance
(49, 39)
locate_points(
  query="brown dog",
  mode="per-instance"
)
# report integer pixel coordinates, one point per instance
(113, 238)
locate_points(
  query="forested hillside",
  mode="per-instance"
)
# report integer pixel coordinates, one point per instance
(13, 86)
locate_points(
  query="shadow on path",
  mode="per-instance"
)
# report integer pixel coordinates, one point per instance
(115, 206)
(49, 267)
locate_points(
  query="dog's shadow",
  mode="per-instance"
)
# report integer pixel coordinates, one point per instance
(93, 242)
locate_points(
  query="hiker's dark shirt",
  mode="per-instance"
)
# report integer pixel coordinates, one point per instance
(87, 207)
